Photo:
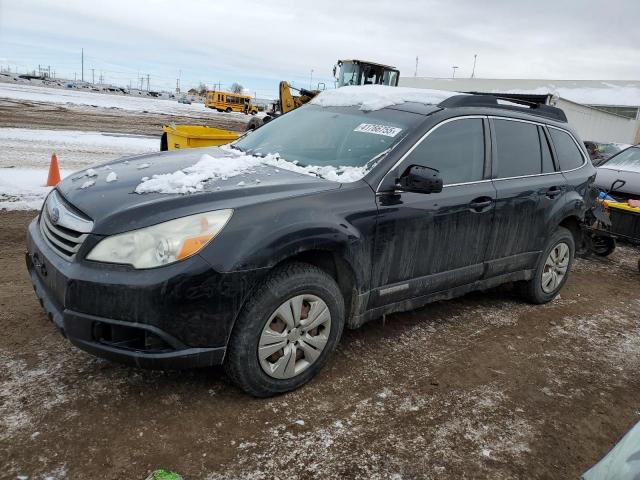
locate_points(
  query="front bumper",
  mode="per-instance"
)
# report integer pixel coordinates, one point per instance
(178, 316)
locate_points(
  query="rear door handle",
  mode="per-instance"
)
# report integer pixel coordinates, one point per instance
(553, 192)
(480, 204)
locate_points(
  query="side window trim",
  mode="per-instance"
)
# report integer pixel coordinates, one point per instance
(488, 148)
(544, 137)
(584, 157)
(552, 147)
(396, 165)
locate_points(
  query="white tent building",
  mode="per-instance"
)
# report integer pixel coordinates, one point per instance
(601, 110)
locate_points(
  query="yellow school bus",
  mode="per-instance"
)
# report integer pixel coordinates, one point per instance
(230, 102)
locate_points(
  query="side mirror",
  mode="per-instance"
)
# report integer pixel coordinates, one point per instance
(420, 179)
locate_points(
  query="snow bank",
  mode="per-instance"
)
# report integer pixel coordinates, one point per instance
(376, 97)
(105, 100)
(23, 189)
(114, 141)
(25, 147)
(192, 179)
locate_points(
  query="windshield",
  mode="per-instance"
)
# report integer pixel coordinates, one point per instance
(608, 149)
(348, 74)
(628, 159)
(329, 136)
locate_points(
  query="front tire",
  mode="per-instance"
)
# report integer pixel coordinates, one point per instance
(286, 331)
(552, 269)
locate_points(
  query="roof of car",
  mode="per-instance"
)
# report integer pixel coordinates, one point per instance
(426, 101)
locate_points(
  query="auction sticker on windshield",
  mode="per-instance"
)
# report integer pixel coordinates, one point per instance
(385, 130)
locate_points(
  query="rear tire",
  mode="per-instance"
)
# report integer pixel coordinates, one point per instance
(603, 246)
(247, 364)
(228, 110)
(552, 269)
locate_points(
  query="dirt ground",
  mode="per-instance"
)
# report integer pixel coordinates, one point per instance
(30, 114)
(480, 387)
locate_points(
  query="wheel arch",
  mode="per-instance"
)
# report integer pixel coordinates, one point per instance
(572, 223)
(337, 268)
(331, 263)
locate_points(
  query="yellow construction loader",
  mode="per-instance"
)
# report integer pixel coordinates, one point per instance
(346, 72)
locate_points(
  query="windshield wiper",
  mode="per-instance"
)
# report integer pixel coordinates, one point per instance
(234, 146)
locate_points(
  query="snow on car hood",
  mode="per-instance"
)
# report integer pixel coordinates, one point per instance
(212, 167)
(107, 193)
(377, 97)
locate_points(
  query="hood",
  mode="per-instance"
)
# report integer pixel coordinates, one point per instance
(606, 176)
(115, 207)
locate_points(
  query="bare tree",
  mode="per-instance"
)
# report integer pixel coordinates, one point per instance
(202, 89)
(236, 87)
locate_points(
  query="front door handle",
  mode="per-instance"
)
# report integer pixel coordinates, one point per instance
(480, 204)
(553, 192)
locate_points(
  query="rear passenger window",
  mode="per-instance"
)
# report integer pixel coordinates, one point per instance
(569, 154)
(518, 148)
(455, 149)
(547, 161)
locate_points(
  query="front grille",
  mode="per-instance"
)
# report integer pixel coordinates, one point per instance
(66, 235)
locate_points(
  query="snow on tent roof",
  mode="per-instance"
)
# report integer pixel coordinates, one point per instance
(377, 97)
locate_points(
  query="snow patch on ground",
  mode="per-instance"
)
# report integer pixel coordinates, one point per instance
(95, 99)
(25, 147)
(21, 388)
(23, 189)
(377, 97)
(492, 426)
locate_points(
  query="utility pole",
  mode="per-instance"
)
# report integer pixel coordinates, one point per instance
(473, 72)
(454, 71)
(147, 82)
(415, 74)
(82, 61)
(93, 75)
(75, 79)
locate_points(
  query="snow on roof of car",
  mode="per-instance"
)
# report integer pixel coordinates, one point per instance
(377, 97)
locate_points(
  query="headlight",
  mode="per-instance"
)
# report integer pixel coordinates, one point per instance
(161, 244)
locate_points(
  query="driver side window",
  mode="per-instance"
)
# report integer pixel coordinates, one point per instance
(455, 149)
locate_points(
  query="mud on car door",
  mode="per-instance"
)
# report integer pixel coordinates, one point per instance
(428, 242)
(529, 187)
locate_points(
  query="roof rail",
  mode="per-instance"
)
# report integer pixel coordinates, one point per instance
(491, 101)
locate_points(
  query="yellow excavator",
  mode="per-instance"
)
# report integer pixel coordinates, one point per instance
(346, 72)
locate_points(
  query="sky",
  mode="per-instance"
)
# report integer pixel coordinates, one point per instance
(258, 43)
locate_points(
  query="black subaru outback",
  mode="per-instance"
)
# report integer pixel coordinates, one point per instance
(367, 201)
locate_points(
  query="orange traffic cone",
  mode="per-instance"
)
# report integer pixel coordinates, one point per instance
(54, 172)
